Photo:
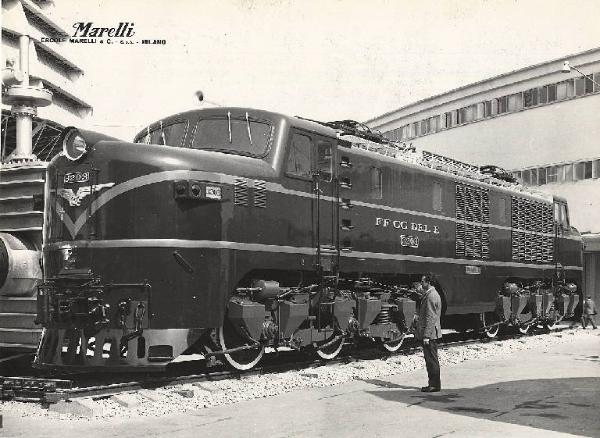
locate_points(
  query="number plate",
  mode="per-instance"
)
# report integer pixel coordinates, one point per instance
(76, 177)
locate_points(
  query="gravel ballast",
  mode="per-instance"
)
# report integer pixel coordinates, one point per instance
(185, 397)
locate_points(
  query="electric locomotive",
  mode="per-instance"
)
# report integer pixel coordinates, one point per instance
(231, 230)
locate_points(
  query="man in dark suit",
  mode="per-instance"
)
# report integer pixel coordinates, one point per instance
(429, 330)
(589, 310)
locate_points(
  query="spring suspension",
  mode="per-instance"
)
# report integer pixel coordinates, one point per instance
(385, 315)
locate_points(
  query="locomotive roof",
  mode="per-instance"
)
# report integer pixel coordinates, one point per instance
(393, 151)
(297, 122)
(444, 165)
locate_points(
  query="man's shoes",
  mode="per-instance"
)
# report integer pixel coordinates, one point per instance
(430, 389)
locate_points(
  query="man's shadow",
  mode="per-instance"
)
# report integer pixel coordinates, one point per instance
(563, 405)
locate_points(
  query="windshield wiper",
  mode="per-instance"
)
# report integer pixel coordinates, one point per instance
(229, 120)
(248, 126)
(162, 134)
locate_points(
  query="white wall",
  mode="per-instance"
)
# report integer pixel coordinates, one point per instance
(563, 131)
(584, 202)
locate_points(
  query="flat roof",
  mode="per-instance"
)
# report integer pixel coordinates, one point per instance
(484, 81)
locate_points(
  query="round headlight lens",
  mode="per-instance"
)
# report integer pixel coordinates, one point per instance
(74, 146)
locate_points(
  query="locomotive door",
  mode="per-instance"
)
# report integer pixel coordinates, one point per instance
(325, 206)
(566, 250)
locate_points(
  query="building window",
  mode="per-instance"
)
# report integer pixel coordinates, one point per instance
(530, 97)
(471, 110)
(527, 177)
(480, 111)
(543, 95)
(502, 104)
(552, 174)
(579, 87)
(579, 171)
(561, 91)
(491, 107)
(414, 129)
(462, 113)
(551, 89)
(434, 124)
(515, 102)
(589, 86)
(405, 132)
(487, 108)
(448, 119)
(542, 176)
(597, 79)
(534, 177)
(568, 172)
(596, 169)
(424, 126)
(587, 172)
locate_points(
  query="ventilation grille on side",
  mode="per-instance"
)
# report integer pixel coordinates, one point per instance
(240, 192)
(260, 194)
(532, 227)
(472, 222)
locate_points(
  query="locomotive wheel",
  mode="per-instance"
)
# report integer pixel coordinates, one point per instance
(392, 346)
(550, 324)
(331, 351)
(490, 332)
(241, 360)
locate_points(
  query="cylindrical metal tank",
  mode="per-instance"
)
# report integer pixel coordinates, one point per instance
(19, 266)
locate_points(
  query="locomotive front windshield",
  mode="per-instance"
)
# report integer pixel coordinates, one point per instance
(240, 136)
(172, 134)
(235, 136)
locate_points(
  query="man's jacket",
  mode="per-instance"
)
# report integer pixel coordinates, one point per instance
(430, 310)
(589, 308)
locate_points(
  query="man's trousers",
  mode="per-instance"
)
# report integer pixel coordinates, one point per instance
(430, 351)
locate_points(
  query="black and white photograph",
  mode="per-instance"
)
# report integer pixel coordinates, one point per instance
(300, 218)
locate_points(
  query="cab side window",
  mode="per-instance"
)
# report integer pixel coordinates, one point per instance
(299, 157)
(561, 215)
(324, 161)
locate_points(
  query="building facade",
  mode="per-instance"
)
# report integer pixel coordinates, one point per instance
(52, 67)
(539, 122)
(43, 90)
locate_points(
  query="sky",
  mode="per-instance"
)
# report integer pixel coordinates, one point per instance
(325, 60)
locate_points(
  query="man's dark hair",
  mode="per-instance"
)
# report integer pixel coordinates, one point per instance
(427, 277)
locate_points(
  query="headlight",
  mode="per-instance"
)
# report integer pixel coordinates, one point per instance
(74, 146)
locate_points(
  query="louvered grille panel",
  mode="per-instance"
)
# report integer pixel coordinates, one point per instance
(240, 192)
(485, 242)
(460, 240)
(472, 216)
(532, 225)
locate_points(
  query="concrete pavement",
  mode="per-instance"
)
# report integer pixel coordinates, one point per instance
(545, 393)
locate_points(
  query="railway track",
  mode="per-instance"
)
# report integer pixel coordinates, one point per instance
(47, 391)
